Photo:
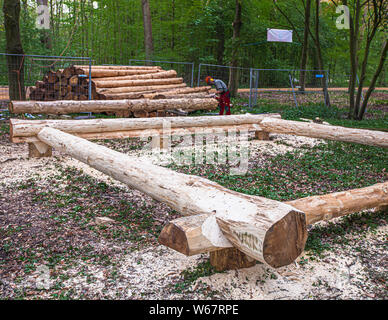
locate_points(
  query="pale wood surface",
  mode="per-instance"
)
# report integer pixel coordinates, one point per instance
(264, 229)
(30, 128)
(316, 208)
(313, 130)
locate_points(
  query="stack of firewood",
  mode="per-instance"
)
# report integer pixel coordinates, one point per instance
(114, 83)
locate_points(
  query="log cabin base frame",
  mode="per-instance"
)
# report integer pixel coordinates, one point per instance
(236, 255)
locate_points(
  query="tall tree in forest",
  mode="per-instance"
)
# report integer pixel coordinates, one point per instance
(373, 15)
(303, 60)
(234, 71)
(318, 49)
(15, 64)
(147, 24)
(46, 37)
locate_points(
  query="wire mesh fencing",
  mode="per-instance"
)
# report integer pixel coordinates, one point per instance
(184, 70)
(224, 73)
(288, 86)
(44, 78)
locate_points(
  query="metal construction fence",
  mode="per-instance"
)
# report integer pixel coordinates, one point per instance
(223, 72)
(39, 77)
(283, 81)
(184, 70)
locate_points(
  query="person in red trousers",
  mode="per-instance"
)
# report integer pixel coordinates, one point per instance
(223, 94)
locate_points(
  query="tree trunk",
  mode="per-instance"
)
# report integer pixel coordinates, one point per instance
(15, 64)
(234, 71)
(319, 53)
(147, 24)
(188, 235)
(303, 62)
(373, 82)
(266, 230)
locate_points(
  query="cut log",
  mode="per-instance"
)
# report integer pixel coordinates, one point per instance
(177, 91)
(30, 128)
(266, 230)
(141, 89)
(321, 131)
(39, 150)
(101, 73)
(120, 67)
(137, 83)
(194, 238)
(158, 75)
(66, 107)
(230, 259)
(121, 96)
(200, 95)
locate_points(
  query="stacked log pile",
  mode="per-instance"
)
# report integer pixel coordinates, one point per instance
(114, 83)
(120, 83)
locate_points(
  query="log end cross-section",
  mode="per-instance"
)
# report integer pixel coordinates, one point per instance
(275, 243)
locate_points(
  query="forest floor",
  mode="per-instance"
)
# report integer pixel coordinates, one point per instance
(53, 247)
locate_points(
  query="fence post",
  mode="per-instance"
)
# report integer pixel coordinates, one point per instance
(293, 91)
(192, 74)
(199, 74)
(250, 88)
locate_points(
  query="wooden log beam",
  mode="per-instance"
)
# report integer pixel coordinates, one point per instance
(321, 131)
(158, 75)
(20, 129)
(190, 235)
(66, 107)
(102, 73)
(137, 83)
(160, 88)
(120, 67)
(266, 230)
(150, 132)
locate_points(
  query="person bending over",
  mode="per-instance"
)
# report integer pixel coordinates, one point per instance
(223, 94)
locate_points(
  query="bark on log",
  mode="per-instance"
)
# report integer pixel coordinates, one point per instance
(313, 130)
(194, 239)
(266, 230)
(137, 83)
(66, 107)
(30, 128)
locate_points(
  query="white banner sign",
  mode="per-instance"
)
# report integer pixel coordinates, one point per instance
(279, 35)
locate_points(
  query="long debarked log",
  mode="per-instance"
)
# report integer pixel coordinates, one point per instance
(158, 75)
(313, 130)
(194, 237)
(167, 87)
(151, 94)
(102, 73)
(266, 230)
(137, 83)
(120, 67)
(154, 132)
(66, 107)
(30, 128)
